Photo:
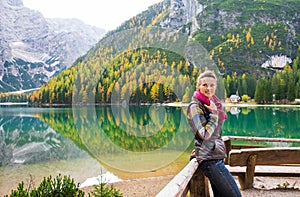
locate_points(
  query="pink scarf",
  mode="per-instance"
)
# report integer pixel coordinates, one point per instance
(202, 98)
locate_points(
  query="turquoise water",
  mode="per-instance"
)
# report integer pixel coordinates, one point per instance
(276, 122)
(43, 141)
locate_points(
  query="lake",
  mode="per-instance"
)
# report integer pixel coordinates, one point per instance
(122, 141)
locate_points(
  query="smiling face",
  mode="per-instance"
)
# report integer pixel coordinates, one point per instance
(208, 86)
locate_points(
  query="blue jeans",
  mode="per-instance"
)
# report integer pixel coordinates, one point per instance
(222, 182)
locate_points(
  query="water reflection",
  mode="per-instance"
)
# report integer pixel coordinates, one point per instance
(29, 147)
(119, 138)
(25, 139)
(274, 122)
(133, 138)
(112, 134)
(235, 110)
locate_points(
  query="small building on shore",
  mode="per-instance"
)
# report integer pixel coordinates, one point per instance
(235, 98)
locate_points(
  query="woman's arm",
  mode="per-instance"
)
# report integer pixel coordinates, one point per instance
(203, 127)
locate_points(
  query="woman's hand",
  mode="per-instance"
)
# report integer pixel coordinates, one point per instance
(212, 107)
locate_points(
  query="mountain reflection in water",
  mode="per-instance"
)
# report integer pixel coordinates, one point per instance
(128, 141)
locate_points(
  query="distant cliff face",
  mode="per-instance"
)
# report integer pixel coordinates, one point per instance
(33, 48)
(183, 12)
(273, 28)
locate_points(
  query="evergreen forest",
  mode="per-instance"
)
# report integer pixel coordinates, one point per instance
(239, 37)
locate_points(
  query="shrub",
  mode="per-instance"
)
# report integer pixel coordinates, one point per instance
(19, 192)
(59, 186)
(103, 191)
(245, 98)
(62, 186)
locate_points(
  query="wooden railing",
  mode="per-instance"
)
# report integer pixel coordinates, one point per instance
(191, 180)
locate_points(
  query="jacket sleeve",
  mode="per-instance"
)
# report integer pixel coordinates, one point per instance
(201, 126)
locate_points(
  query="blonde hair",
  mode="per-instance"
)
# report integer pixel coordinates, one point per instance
(207, 73)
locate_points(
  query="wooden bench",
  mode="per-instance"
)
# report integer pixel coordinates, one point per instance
(275, 161)
(247, 161)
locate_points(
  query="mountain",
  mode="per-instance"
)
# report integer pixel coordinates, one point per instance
(246, 40)
(241, 36)
(33, 49)
(248, 34)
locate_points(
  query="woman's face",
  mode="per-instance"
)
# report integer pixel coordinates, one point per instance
(208, 86)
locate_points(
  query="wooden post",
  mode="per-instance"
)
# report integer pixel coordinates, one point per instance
(227, 143)
(246, 180)
(199, 185)
(178, 186)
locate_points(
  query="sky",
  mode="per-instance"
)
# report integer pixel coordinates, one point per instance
(106, 14)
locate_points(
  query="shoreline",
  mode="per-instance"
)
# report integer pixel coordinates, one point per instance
(234, 105)
(259, 105)
(174, 104)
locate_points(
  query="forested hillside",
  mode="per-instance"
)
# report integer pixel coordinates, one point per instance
(242, 35)
(253, 44)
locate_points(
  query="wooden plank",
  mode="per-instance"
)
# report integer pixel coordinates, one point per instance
(261, 139)
(246, 146)
(265, 156)
(176, 187)
(273, 171)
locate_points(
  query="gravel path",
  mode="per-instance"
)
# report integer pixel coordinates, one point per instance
(263, 187)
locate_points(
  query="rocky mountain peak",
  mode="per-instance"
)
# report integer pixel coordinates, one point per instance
(33, 49)
(183, 12)
(16, 3)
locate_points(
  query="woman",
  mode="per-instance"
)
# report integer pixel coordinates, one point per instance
(206, 117)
